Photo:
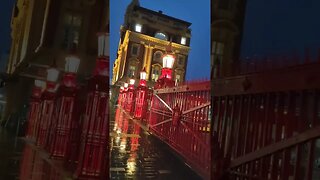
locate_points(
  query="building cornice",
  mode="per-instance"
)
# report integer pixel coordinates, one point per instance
(155, 42)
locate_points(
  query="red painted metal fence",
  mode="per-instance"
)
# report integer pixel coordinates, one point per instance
(180, 116)
(266, 125)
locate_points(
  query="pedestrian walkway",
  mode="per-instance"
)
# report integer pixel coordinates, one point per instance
(136, 154)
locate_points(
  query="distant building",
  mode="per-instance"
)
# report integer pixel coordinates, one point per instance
(227, 17)
(46, 30)
(143, 38)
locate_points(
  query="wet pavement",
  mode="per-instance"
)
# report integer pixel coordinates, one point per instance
(135, 154)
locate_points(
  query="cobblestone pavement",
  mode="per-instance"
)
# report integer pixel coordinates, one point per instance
(135, 154)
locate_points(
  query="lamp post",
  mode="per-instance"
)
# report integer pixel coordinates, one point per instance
(141, 103)
(165, 79)
(66, 124)
(124, 95)
(130, 97)
(35, 107)
(48, 98)
(92, 161)
(120, 95)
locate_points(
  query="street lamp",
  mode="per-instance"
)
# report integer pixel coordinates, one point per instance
(71, 68)
(95, 130)
(66, 123)
(141, 103)
(34, 111)
(165, 79)
(143, 78)
(130, 96)
(52, 77)
(48, 99)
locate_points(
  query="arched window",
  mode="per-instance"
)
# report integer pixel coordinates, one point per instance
(132, 69)
(161, 36)
(155, 73)
(157, 56)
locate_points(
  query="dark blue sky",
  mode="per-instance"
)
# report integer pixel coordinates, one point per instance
(281, 26)
(5, 19)
(196, 12)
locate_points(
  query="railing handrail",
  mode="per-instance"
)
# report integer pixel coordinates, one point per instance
(275, 147)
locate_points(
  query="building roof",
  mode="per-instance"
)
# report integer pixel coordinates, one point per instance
(139, 8)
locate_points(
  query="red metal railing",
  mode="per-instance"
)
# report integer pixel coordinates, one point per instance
(266, 124)
(180, 116)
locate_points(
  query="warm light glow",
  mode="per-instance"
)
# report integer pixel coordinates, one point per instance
(72, 64)
(39, 83)
(52, 74)
(121, 88)
(132, 81)
(138, 27)
(103, 40)
(168, 61)
(143, 75)
(183, 40)
(125, 85)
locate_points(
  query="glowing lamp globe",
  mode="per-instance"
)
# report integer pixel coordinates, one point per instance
(168, 61)
(132, 81)
(72, 64)
(52, 74)
(39, 83)
(125, 85)
(143, 75)
(103, 48)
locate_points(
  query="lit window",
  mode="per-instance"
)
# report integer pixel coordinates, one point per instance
(138, 27)
(135, 50)
(161, 36)
(155, 73)
(157, 57)
(132, 70)
(178, 78)
(183, 40)
(72, 29)
(181, 60)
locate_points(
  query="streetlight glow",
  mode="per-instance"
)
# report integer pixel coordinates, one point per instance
(72, 64)
(132, 81)
(168, 61)
(52, 75)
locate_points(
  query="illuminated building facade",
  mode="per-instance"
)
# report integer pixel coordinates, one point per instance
(44, 31)
(143, 41)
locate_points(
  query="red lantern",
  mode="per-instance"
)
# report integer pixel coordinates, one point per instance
(165, 79)
(141, 101)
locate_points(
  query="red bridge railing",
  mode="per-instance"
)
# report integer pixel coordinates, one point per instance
(266, 124)
(181, 117)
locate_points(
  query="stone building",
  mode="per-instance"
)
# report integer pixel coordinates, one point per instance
(44, 31)
(227, 18)
(144, 37)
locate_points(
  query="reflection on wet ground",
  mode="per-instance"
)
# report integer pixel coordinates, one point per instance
(20, 159)
(135, 154)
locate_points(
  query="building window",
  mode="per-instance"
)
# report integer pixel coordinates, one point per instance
(178, 78)
(161, 36)
(217, 51)
(135, 50)
(180, 60)
(72, 29)
(157, 56)
(155, 72)
(132, 70)
(138, 28)
(183, 40)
